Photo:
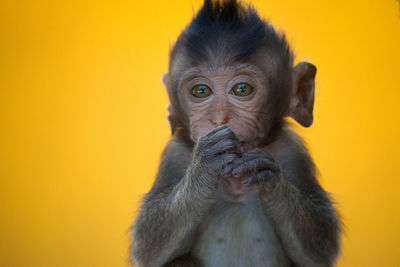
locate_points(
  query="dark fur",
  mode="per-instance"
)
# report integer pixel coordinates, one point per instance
(185, 188)
(300, 210)
(236, 29)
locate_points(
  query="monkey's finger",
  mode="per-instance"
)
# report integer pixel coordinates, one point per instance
(224, 146)
(222, 134)
(251, 155)
(255, 165)
(225, 159)
(228, 169)
(209, 139)
(215, 130)
(259, 177)
(240, 161)
(260, 153)
(218, 134)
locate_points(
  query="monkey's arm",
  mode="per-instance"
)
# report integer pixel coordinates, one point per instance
(306, 222)
(168, 216)
(183, 192)
(301, 210)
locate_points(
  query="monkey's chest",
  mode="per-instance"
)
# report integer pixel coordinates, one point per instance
(238, 234)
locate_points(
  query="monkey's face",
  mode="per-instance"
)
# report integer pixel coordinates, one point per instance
(232, 96)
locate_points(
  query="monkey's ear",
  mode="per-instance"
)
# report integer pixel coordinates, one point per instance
(168, 85)
(302, 100)
(172, 117)
(166, 80)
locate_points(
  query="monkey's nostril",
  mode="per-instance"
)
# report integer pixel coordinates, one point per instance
(218, 123)
(219, 118)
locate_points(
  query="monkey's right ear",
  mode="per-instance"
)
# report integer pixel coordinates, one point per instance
(302, 99)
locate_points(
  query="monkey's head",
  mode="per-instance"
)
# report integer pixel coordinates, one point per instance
(230, 67)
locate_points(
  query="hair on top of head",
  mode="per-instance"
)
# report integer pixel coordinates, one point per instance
(229, 31)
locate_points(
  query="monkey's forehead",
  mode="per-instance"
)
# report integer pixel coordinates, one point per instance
(262, 64)
(206, 70)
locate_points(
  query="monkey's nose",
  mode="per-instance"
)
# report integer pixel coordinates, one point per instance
(219, 120)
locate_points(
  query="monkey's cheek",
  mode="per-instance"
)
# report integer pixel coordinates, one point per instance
(195, 135)
(198, 130)
(244, 132)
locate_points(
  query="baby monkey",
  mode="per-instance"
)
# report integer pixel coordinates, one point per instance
(236, 186)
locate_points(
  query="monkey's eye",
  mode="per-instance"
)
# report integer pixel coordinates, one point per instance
(242, 89)
(201, 91)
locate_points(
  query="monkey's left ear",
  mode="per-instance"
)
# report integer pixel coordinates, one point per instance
(302, 100)
(172, 116)
(166, 80)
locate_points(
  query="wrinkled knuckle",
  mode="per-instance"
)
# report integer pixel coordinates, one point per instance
(222, 129)
(203, 152)
(203, 141)
(255, 151)
(228, 157)
(263, 153)
(229, 143)
(243, 161)
(264, 162)
(209, 152)
(230, 133)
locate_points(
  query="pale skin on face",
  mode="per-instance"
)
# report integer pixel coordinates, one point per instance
(242, 114)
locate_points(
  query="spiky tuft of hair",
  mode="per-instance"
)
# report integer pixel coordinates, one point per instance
(228, 31)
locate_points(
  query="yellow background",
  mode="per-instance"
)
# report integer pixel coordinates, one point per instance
(83, 121)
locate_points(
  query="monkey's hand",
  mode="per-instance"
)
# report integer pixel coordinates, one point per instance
(256, 167)
(183, 193)
(213, 152)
